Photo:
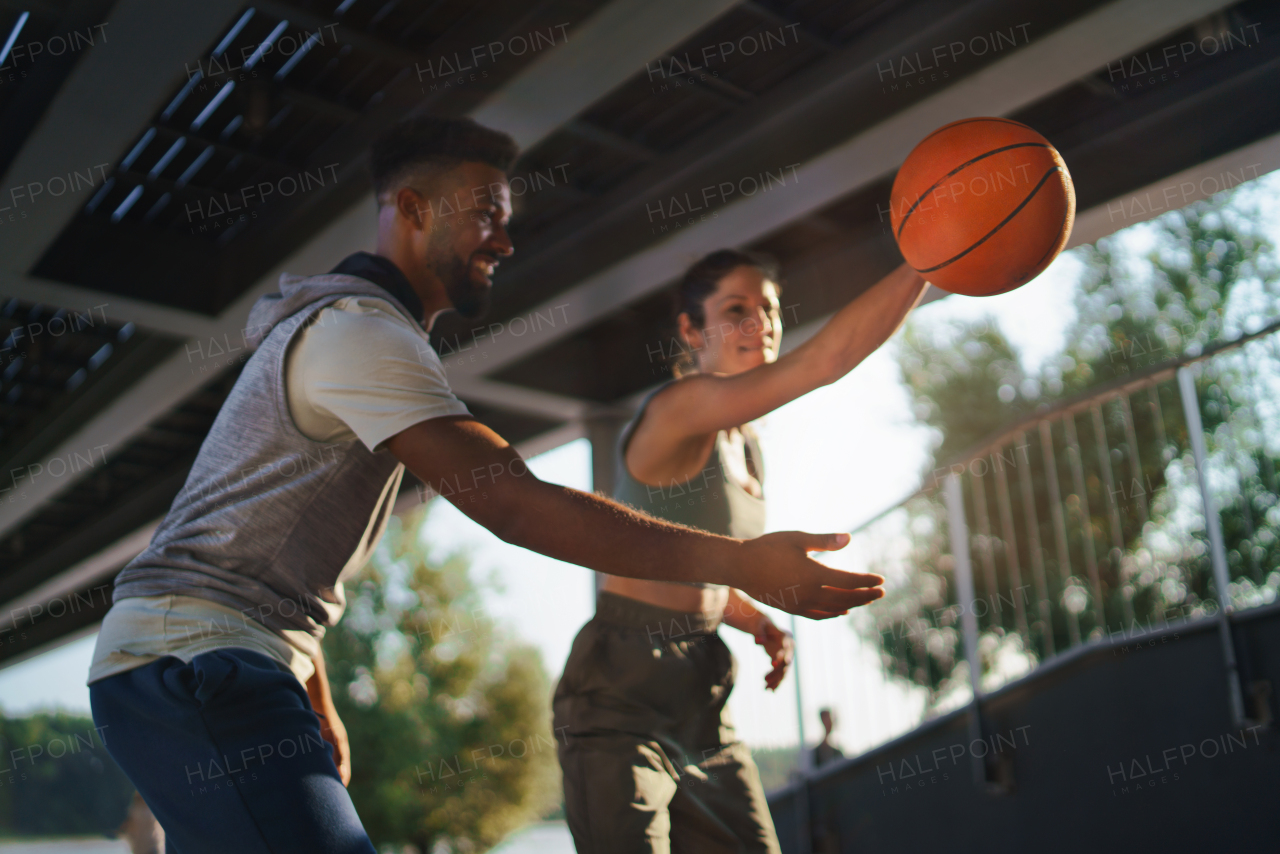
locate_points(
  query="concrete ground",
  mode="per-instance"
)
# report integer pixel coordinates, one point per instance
(545, 838)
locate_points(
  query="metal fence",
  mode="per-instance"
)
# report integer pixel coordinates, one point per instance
(1149, 501)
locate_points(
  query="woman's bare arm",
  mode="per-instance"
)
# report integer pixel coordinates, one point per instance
(704, 404)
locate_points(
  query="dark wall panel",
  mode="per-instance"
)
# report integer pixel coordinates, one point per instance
(1126, 746)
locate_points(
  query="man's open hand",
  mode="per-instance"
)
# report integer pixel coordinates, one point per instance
(777, 570)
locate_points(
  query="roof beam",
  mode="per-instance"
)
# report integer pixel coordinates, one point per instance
(611, 46)
(517, 398)
(89, 124)
(732, 144)
(97, 569)
(344, 34)
(1177, 191)
(562, 83)
(511, 108)
(608, 139)
(1146, 203)
(175, 379)
(822, 40)
(117, 309)
(1020, 78)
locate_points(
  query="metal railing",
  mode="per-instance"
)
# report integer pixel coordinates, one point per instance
(1146, 502)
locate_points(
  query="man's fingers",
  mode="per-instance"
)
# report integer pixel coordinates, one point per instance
(822, 542)
(813, 614)
(843, 580)
(832, 599)
(823, 592)
(854, 598)
(839, 592)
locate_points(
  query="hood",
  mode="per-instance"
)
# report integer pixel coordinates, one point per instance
(297, 292)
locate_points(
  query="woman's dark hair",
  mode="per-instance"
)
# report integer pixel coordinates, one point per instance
(701, 280)
(430, 140)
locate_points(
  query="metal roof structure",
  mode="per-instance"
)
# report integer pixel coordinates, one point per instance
(164, 162)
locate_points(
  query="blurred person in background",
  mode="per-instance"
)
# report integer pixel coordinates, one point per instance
(825, 751)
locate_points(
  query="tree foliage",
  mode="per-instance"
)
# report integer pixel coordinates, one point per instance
(1125, 476)
(56, 777)
(449, 722)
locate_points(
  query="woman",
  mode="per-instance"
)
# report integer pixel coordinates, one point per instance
(649, 756)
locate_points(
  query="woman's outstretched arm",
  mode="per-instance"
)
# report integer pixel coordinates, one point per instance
(704, 404)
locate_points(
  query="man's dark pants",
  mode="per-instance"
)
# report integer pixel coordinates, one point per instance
(227, 752)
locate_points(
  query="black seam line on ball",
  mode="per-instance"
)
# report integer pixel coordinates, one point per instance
(959, 168)
(1056, 238)
(1002, 224)
(1053, 243)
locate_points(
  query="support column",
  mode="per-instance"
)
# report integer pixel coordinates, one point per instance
(804, 816)
(958, 529)
(1217, 544)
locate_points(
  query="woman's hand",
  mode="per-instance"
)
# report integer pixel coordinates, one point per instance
(781, 648)
(740, 613)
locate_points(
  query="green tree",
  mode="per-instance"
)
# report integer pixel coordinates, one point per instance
(449, 721)
(56, 777)
(1209, 276)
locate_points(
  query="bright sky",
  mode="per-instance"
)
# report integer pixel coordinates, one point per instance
(836, 458)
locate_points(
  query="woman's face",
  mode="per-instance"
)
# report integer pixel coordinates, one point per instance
(744, 324)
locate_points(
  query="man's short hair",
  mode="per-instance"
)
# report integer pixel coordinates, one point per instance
(431, 143)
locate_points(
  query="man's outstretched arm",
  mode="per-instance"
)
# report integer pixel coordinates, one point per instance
(484, 477)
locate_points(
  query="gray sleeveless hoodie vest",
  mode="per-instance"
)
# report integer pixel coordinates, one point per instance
(270, 522)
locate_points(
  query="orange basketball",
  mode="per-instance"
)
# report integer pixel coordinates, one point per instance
(982, 206)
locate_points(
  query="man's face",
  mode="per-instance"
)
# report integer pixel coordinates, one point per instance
(469, 209)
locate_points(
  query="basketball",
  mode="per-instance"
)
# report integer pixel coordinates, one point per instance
(982, 206)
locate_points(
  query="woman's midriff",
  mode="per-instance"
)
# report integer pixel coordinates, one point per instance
(678, 597)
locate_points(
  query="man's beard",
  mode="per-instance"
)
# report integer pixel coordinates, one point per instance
(469, 298)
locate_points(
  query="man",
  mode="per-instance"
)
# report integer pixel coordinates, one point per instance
(199, 671)
(826, 751)
(825, 830)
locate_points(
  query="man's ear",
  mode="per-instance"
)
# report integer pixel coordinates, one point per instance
(413, 206)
